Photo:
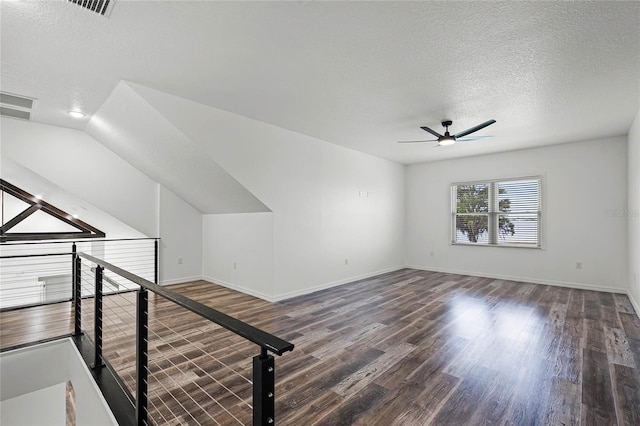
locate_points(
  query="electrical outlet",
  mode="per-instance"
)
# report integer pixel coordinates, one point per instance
(346, 261)
(432, 254)
(578, 265)
(179, 261)
(235, 265)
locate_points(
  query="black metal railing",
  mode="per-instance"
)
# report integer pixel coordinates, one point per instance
(171, 387)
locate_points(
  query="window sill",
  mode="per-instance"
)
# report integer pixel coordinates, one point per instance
(523, 246)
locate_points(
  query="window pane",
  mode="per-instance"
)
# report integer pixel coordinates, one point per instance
(518, 228)
(497, 212)
(472, 198)
(472, 228)
(519, 196)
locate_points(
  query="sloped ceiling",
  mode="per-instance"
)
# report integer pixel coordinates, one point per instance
(360, 74)
(32, 182)
(133, 129)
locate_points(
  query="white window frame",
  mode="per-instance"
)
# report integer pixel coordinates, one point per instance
(494, 213)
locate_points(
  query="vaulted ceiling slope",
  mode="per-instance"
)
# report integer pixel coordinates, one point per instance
(32, 182)
(132, 128)
(360, 74)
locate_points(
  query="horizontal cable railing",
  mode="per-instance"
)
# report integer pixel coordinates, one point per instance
(37, 273)
(33, 279)
(179, 361)
(174, 360)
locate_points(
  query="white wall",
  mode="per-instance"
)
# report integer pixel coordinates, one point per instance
(71, 162)
(80, 165)
(238, 252)
(23, 371)
(313, 189)
(584, 186)
(180, 239)
(633, 212)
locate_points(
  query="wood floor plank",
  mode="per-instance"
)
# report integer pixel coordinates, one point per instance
(313, 412)
(350, 413)
(494, 402)
(334, 371)
(564, 407)
(596, 381)
(626, 383)
(463, 402)
(422, 409)
(623, 304)
(371, 371)
(591, 416)
(618, 348)
(631, 325)
(596, 339)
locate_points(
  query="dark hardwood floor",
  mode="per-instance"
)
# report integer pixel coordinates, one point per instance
(405, 348)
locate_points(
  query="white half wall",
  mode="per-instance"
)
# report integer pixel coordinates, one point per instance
(238, 252)
(180, 239)
(23, 371)
(584, 190)
(338, 214)
(82, 166)
(633, 212)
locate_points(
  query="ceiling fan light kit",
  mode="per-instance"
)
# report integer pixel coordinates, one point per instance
(447, 138)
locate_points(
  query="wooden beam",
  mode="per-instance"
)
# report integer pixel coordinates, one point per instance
(86, 230)
(19, 218)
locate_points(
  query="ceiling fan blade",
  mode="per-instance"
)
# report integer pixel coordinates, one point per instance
(474, 129)
(433, 132)
(430, 140)
(473, 138)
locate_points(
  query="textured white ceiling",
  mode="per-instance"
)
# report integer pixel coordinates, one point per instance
(360, 74)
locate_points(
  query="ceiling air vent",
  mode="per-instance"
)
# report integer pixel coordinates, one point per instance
(16, 106)
(102, 7)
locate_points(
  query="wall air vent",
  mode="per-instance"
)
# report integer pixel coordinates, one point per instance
(16, 106)
(101, 7)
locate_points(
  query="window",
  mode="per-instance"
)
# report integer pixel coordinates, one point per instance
(497, 213)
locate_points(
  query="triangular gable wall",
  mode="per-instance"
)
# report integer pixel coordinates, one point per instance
(76, 227)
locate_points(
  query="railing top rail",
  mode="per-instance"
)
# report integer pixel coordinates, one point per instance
(75, 240)
(261, 338)
(19, 256)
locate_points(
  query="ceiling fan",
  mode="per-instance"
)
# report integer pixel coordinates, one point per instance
(448, 139)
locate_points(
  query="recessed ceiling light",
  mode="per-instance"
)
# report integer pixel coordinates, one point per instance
(76, 114)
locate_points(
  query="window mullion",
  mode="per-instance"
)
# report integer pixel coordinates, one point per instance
(493, 214)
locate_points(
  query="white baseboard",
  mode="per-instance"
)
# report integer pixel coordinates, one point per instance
(301, 292)
(580, 286)
(241, 289)
(634, 302)
(181, 280)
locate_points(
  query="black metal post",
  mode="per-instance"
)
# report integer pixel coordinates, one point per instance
(97, 319)
(263, 389)
(73, 265)
(142, 334)
(77, 294)
(156, 253)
